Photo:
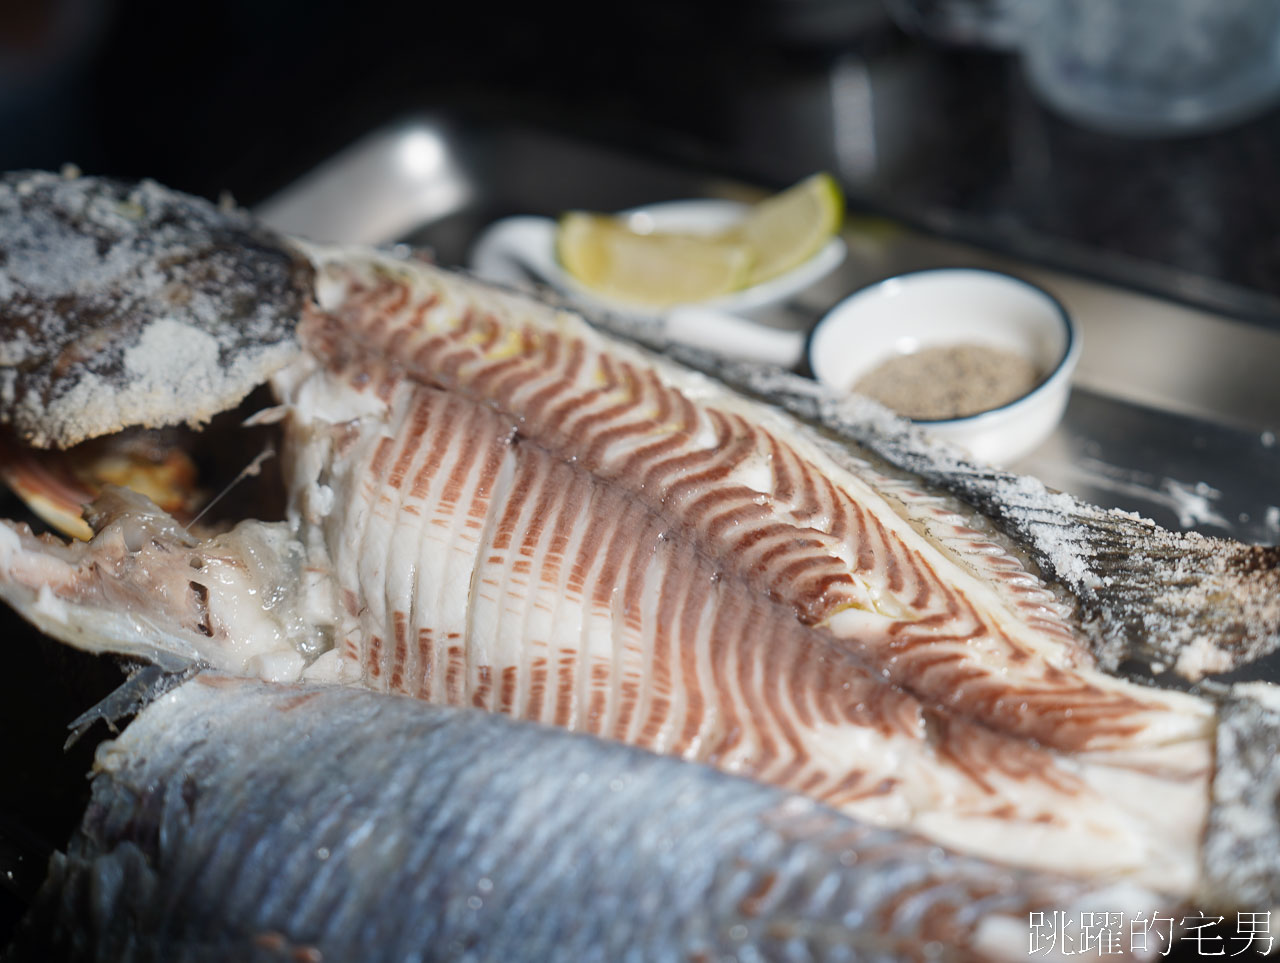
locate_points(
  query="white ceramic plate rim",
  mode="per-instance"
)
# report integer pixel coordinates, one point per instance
(529, 242)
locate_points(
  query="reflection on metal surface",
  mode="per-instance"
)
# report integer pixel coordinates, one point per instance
(1192, 502)
(421, 153)
(406, 175)
(853, 129)
(1181, 471)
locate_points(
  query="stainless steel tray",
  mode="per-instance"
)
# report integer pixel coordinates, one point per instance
(1174, 412)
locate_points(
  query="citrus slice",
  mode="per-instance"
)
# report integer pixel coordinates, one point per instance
(787, 229)
(655, 270)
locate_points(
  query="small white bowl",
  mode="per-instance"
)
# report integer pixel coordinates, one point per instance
(951, 306)
(511, 249)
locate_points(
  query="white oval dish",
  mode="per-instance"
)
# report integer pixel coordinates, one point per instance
(950, 306)
(513, 248)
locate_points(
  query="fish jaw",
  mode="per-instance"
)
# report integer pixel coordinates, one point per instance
(241, 601)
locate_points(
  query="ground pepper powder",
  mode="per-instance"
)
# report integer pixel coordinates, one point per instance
(949, 381)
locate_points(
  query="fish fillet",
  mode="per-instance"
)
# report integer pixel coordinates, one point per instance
(531, 519)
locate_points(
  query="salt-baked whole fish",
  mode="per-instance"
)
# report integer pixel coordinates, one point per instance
(493, 504)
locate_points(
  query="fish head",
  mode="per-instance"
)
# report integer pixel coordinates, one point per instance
(128, 304)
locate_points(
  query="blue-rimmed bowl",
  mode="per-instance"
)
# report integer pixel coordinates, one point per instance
(947, 306)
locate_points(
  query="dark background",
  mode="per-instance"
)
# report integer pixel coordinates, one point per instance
(245, 95)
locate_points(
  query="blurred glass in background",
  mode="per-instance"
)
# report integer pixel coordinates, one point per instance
(1136, 67)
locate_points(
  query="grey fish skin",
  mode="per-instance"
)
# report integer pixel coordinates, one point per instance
(1242, 840)
(243, 820)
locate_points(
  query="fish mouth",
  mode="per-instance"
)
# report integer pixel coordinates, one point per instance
(206, 478)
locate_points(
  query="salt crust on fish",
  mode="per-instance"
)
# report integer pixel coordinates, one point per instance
(129, 304)
(1242, 840)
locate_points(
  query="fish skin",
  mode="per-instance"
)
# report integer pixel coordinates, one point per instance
(1242, 839)
(239, 819)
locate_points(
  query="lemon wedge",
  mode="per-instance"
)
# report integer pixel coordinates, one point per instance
(656, 269)
(787, 229)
